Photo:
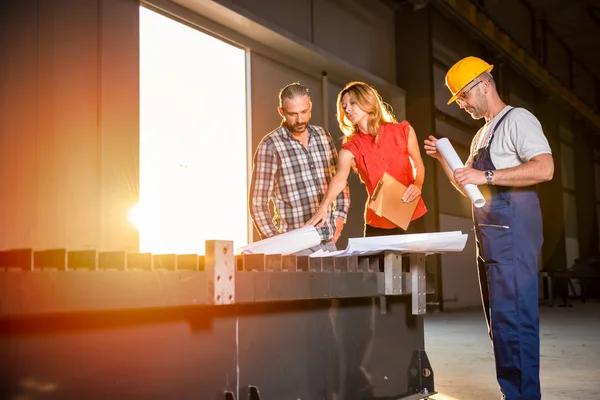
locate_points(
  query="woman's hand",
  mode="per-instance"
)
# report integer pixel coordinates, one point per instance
(411, 193)
(319, 218)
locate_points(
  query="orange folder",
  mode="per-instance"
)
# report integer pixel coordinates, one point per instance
(387, 202)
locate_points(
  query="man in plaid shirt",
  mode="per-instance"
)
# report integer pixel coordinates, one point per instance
(292, 168)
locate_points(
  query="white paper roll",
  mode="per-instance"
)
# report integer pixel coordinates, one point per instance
(286, 243)
(435, 242)
(447, 151)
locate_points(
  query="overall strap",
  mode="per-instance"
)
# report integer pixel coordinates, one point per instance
(489, 142)
(500, 121)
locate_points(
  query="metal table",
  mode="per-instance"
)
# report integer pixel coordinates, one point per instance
(111, 325)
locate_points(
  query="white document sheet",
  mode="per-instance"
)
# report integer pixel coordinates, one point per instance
(447, 151)
(286, 243)
(437, 242)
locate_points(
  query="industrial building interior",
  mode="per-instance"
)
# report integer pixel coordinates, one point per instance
(125, 125)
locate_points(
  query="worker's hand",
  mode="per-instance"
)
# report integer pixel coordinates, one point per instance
(464, 176)
(431, 148)
(339, 225)
(411, 193)
(319, 218)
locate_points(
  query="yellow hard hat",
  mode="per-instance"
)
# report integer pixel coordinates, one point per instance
(463, 72)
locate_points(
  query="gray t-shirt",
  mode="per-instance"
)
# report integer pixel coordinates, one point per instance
(517, 139)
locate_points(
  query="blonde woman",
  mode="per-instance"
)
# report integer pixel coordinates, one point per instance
(374, 143)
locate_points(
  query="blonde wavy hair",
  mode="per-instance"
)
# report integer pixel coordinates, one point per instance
(367, 98)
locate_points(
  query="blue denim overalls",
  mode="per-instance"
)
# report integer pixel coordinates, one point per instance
(509, 240)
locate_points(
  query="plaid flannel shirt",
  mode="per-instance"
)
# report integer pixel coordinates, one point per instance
(295, 179)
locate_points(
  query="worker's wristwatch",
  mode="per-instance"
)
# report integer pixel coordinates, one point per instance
(489, 175)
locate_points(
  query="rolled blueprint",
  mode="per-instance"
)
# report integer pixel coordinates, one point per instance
(447, 151)
(286, 243)
(429, 243)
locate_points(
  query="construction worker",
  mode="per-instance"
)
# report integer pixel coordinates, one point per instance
(509, 156)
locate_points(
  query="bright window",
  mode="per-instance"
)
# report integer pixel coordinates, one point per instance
(193, 140)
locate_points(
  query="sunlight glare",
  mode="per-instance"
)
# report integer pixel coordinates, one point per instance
(193, 139)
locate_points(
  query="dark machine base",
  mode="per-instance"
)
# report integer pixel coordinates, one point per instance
(346, 349)
(251, 393)
(338, 328)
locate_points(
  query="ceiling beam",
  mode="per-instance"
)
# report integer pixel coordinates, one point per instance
(468, 12)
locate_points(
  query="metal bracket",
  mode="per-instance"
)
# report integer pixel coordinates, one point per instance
(251, 391)
(382, 305)
(419, 285)
(394, 281)
(420, 375)
(219, 266)
(229, 396)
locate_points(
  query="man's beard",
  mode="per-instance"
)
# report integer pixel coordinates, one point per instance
(475, 113)
(298, 128)
(478, 110)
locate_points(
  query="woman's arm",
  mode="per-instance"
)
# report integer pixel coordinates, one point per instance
(337, 184)
(414, 190)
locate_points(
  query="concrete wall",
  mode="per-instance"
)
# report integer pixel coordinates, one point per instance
(459, 270)
(69, 126)
(69, 111)
(358, 32)
(530, 31)
(515, 18)
(68, 123)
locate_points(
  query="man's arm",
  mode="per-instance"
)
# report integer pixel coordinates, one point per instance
(537, 170)
(431, 150)
(261, 189)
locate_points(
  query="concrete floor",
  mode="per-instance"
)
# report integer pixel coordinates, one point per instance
(461, 355)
